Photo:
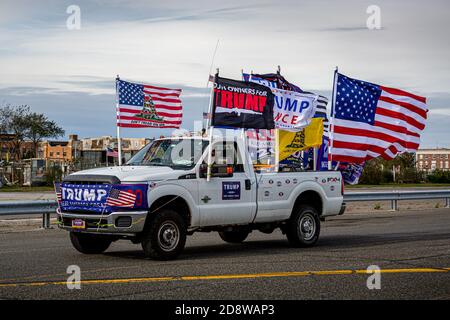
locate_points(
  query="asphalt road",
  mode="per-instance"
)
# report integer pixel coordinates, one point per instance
(411, 248)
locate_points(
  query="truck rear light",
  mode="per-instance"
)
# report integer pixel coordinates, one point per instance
(342, 186)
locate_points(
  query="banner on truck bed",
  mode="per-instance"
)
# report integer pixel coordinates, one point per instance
(239, 104)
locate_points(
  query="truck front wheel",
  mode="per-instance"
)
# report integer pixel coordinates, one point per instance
(165, 236)
(89, 243)
(303, 228)
(236, 236)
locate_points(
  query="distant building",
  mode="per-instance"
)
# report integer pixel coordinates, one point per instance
(94, 149)
(57, 151)
(8, 148)
(6, 145)
(432, 159)
(88, 150)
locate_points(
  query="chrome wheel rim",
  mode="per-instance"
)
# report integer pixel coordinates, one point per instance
(307, 227)
(168, 236)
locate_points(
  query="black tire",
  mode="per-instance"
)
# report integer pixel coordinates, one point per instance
(165, 236)
(89, 243)
(237, 236)
(303, 228)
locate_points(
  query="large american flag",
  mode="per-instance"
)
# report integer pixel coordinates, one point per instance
(370, 120)
(143, 106)
(119, 198)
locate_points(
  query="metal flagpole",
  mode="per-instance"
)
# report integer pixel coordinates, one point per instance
(333, 101)
(277, 150)
(277, 138)
(211, 129)
(119, 142)
(207, 83)
(315, 159)
(244, 138)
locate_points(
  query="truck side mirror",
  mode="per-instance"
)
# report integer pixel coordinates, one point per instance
(217, 170)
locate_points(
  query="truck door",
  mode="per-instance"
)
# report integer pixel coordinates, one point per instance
(227, 200)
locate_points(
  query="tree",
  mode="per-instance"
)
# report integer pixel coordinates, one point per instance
(23, 124)
(378, 170)
(14, 121)
(39, 127)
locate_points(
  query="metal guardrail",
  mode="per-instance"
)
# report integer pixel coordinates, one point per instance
(44, 207)
(395, 196)
(47, 207)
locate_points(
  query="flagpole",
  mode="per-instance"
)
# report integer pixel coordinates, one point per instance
(211, 129)
(119, 142)
(207, 83)
(277, 150)
(277, 138)
(333, 101)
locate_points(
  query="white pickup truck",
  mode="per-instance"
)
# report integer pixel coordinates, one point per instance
(162, 195)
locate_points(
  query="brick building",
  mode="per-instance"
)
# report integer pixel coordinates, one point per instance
(88, 150)
(94, 149)
(9, 150)
(60, 151)
(432, 159)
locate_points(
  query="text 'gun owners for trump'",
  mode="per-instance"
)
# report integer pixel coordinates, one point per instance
(239, 104)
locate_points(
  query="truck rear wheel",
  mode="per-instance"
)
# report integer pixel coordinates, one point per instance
(237, 236)
(89, 243)
(165, 236)
(303, 228)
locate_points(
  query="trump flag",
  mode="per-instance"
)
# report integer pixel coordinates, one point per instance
(239, 104)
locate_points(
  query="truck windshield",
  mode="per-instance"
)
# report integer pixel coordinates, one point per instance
(174, 153)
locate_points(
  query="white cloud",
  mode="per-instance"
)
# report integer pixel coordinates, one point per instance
(172, 42)
(306, 39)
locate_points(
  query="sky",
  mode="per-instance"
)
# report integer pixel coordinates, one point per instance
(69, 74)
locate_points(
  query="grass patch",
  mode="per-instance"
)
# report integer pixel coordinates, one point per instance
(25, 189)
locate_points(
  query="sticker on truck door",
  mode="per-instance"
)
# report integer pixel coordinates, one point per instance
(231, 190)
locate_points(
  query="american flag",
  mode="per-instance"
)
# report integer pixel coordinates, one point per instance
(110, 152)
(372, 120)
(118, 198)
(58, 191)
(143, 106)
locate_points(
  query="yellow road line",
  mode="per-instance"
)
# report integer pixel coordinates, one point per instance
(227, 277)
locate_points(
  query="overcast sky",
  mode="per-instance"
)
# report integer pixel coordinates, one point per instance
(69, 74)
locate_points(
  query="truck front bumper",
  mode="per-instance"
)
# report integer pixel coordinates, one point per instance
(117, 223)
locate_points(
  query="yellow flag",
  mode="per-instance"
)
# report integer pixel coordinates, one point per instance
(291, 142)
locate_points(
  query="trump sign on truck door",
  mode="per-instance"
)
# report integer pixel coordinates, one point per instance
(293, 110)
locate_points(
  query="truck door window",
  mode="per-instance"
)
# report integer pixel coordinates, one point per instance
(227, 153)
